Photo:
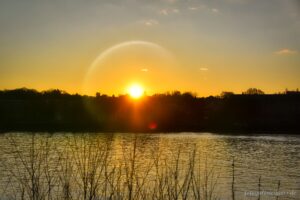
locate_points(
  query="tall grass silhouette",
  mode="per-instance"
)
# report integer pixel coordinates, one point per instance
(89, 168)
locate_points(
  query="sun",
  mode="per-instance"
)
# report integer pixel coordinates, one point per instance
(136, 91)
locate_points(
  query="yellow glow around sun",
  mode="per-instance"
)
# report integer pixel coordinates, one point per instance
(136, 91)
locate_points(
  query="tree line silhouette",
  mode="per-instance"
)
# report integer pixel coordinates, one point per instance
(55, 110)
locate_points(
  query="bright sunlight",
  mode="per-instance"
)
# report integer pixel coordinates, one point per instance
(136, 91)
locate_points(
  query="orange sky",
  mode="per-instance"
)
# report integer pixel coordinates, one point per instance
(200, 46)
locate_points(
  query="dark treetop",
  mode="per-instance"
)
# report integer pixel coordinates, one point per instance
(54, 110)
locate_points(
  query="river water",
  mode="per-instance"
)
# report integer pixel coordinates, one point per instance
(149, 166)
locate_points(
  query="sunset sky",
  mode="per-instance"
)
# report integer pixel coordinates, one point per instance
(202, 46)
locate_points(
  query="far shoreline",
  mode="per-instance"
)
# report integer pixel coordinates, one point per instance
(213, 132)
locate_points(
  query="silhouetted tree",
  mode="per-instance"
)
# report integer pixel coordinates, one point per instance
(226, 94)
(253, 91)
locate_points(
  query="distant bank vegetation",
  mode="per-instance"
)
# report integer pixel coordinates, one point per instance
(55, 110)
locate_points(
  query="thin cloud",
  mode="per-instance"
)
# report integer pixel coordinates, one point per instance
(149, 22)
(286, 52)
(193, 8)
(164, 12)
(204, 8)
(198, 8)
(167, 12)
(144, 70)
(203, 69)
(175, 10)
(215, 10)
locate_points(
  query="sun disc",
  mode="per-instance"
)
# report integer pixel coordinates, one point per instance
(136, 91)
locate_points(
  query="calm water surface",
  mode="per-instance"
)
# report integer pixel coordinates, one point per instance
(270, 158)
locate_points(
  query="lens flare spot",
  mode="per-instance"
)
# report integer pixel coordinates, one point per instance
(152, 126)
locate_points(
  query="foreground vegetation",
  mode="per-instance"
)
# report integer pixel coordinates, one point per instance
(93, 168)
(85, 167)
(54, 110)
